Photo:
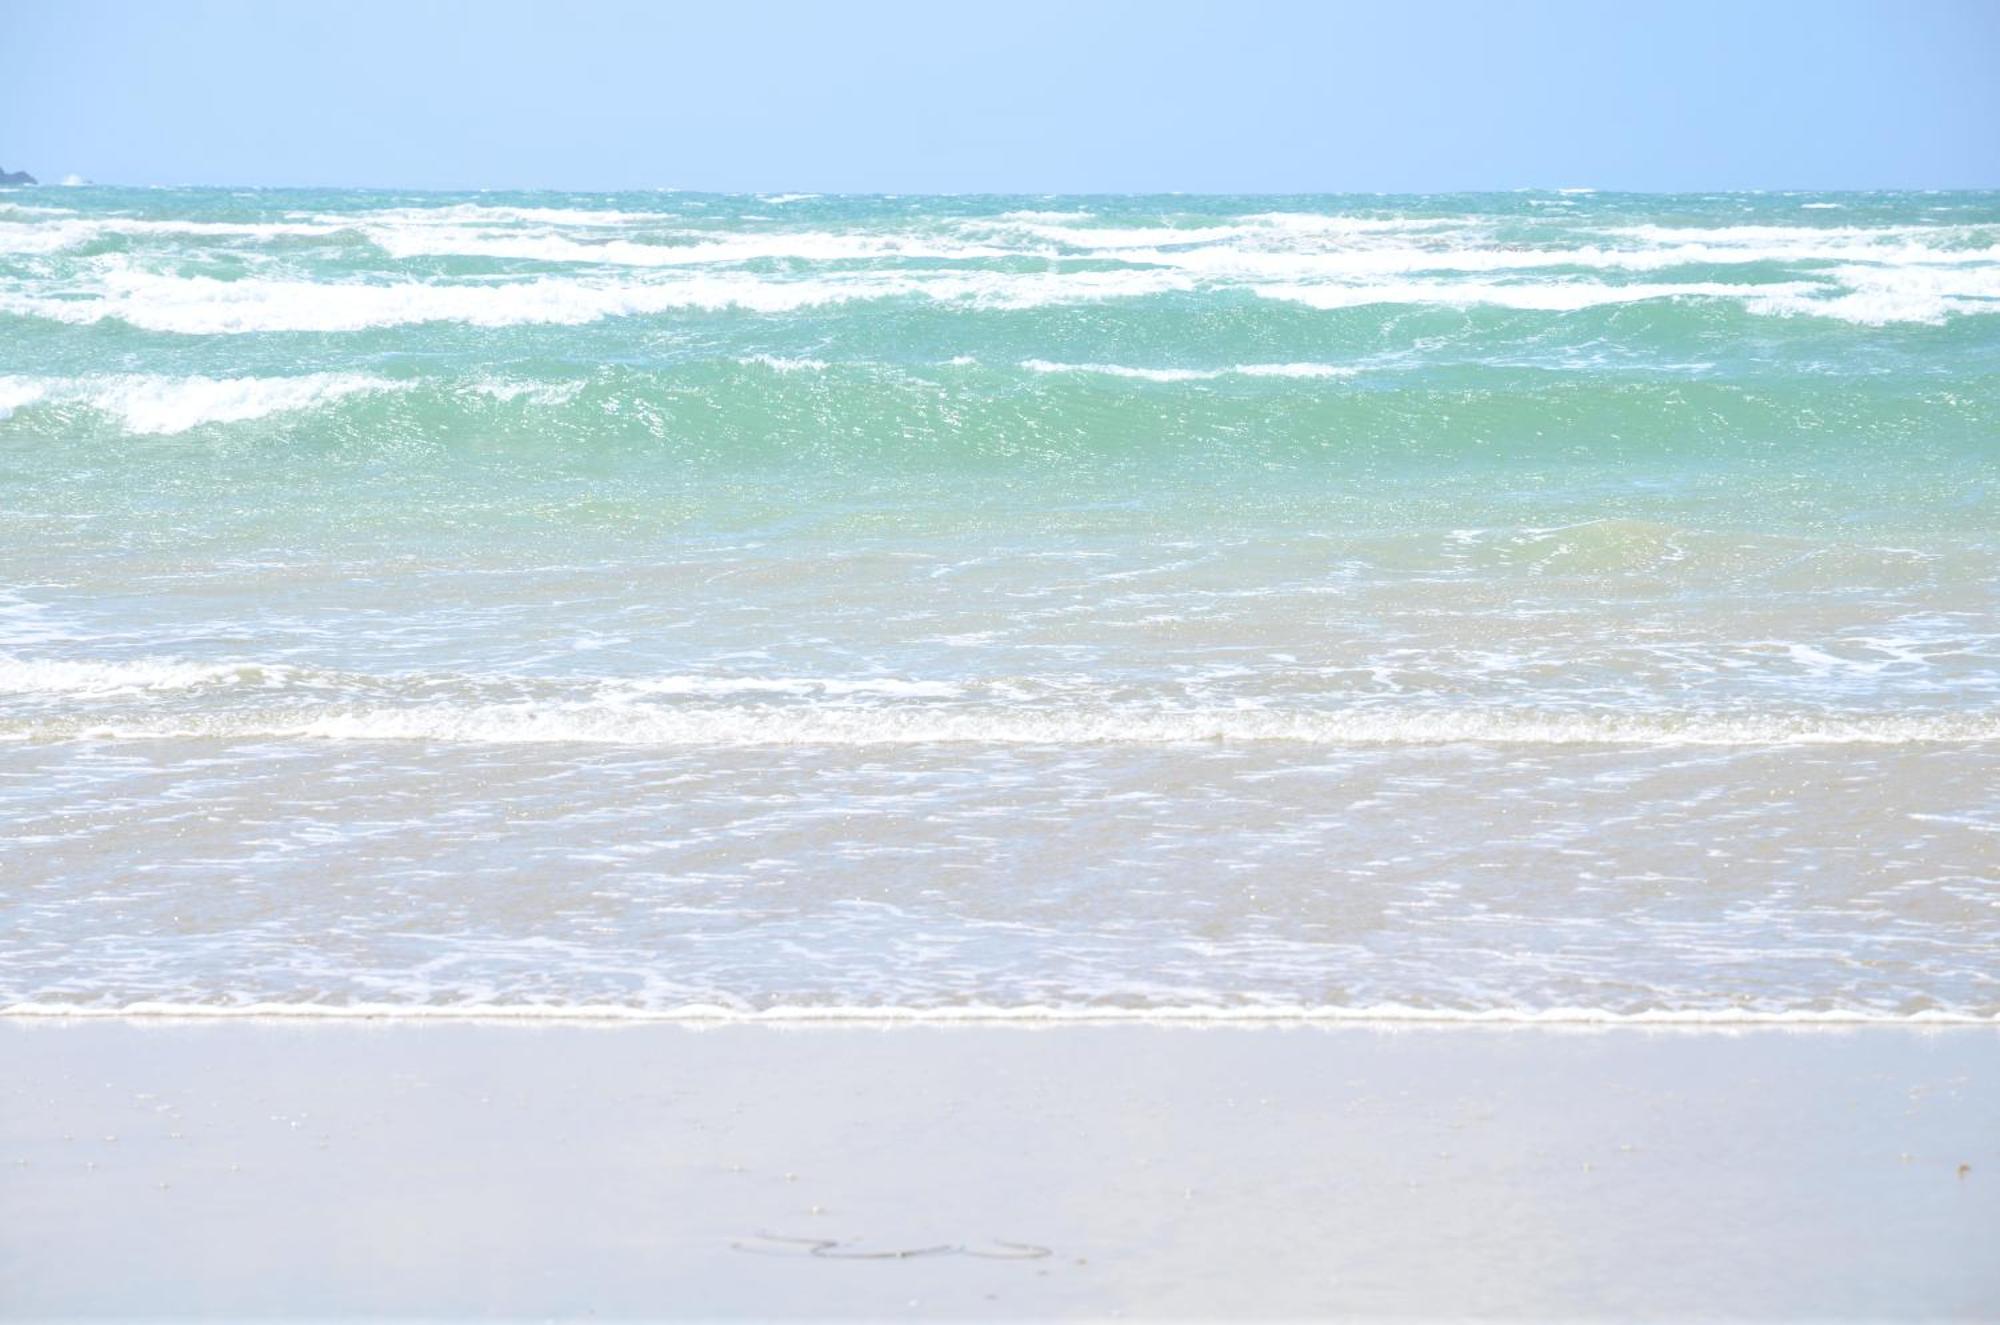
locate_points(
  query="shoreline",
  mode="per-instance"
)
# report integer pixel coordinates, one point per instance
(322, 1167)
(698, 1016)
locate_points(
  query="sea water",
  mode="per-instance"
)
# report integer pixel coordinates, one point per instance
(1518, 606)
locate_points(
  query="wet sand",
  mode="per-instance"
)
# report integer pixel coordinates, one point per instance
(260, 1168)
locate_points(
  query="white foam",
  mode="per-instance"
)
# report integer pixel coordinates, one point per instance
(146, 403)
(614, 719)
(20, 676)
(43, 236)
(780, 364)
(201, 305)
(73, 232)
(694, 248)
(508, 390)
(649, 263)
(1058, 217)
(1268, 228)
(1299, 370)
(1295, 370)
(1939, 239)
(484, 213)
(1874, 297)
(1374, 263)
(1101, 239)
(718, 686)
(1549, 296)
(1117, 370)
(16, 392)
(204, 306)
(27, 621)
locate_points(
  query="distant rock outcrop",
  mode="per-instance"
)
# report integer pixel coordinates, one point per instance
(15, 177)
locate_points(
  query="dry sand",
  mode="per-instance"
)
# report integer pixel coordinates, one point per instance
(260, 1168)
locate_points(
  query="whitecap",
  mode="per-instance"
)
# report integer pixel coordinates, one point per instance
(201, 305)
(151, 403)
(1291, 370)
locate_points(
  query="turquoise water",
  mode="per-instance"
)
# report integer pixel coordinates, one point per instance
(1497, 605)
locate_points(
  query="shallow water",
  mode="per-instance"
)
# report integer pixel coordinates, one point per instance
(1515, 605)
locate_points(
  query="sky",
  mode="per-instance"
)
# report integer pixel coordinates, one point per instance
(1019, 97)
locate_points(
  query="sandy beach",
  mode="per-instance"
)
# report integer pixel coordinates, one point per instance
(166, 1168)
(796, 661)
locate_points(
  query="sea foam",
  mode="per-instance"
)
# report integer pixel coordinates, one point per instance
(1294, 370)
(200, 305)
(83, 677)
(151, 403)
(623, 721)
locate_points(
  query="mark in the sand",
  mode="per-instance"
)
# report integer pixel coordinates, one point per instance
(831, 1249)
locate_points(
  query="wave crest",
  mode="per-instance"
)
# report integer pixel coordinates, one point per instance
(156, 404)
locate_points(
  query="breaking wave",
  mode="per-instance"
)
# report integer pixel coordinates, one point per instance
(1194, 374)
(151, 403)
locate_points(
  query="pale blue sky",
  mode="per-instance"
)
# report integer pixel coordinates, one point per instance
(1025, 96)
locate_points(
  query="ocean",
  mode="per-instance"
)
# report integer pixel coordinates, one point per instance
(1524, 606)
